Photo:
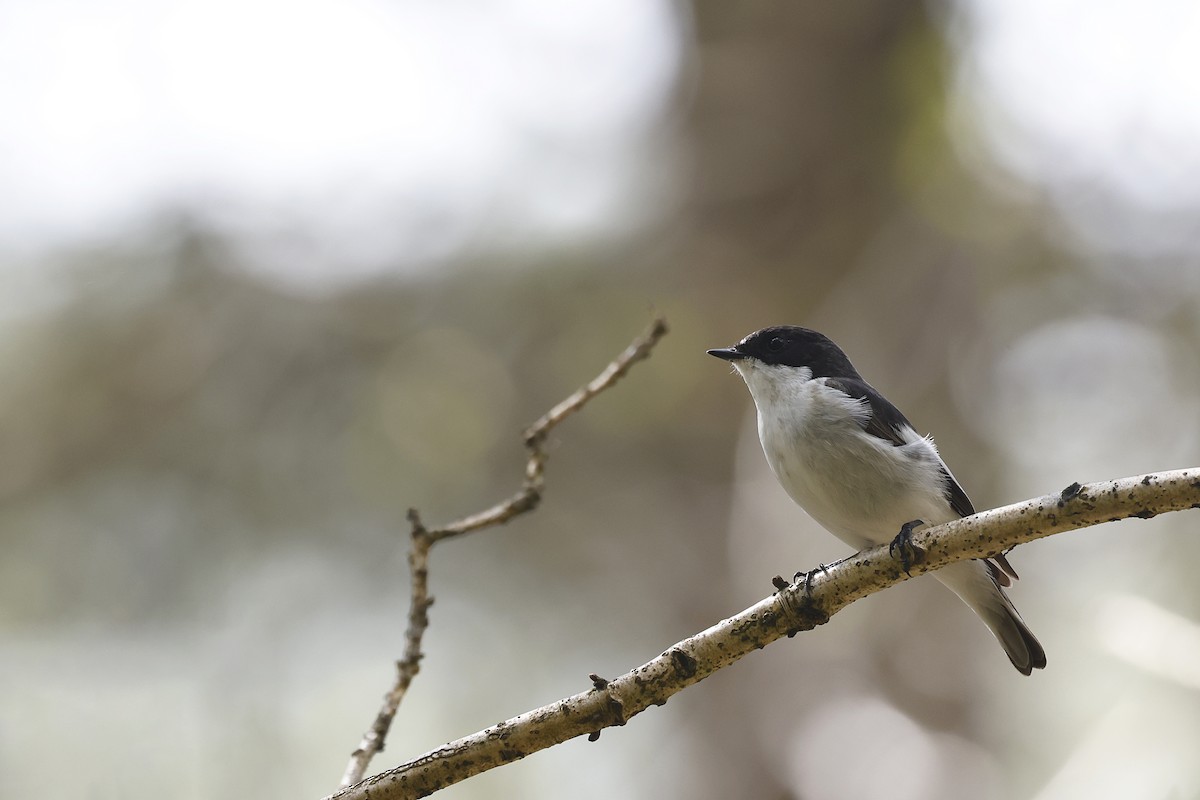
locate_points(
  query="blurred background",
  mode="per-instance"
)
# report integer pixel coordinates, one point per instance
(271, 273)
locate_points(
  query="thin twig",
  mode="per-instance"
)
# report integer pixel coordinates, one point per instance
(792, 609)
(423, 539)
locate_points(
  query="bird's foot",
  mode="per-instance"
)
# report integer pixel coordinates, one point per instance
(808, 577)
(909, 553)
(806, 611)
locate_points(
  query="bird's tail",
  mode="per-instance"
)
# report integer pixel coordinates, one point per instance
(976, 585)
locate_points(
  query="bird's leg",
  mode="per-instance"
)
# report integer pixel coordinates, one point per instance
(910, 554)
(809, 614)
(808, 579)
(779, 583)
(808, 576)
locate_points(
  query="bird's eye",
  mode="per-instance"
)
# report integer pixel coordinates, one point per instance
(775, 345)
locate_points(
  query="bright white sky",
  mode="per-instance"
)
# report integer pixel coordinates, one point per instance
(365, 131)
(337, 139)
(1096, 102)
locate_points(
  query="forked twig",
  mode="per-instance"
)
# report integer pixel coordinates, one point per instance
(423, 539)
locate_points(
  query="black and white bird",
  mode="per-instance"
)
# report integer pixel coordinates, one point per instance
(850, 459)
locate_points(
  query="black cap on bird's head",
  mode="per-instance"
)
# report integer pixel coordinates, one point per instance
(791, 346)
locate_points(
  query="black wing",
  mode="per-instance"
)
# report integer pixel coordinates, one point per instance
(885, 422)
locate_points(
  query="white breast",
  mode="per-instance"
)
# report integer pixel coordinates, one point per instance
(857, 486)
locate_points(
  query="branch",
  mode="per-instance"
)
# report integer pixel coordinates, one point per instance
(423, 539)
(792, 609)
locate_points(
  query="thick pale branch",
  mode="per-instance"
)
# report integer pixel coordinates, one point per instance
(792, 609)
(423, 539)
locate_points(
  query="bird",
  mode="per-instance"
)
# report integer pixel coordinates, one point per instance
(857, 466)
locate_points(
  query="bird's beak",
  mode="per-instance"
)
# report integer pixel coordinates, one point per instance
(728, 353)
